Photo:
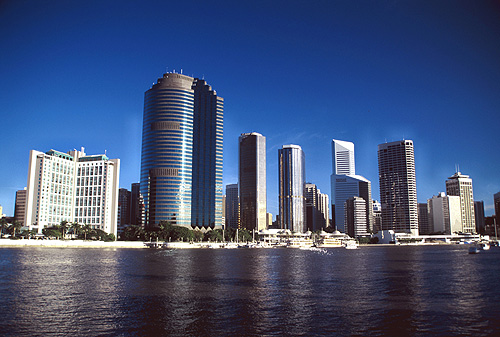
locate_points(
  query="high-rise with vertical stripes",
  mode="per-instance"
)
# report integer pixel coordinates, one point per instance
(292, 201)
(398, 187)
(181, 163)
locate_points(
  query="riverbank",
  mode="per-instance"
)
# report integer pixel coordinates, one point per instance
(70, 243)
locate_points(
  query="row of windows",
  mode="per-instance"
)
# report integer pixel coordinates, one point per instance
(89, 181)
(92, 201)
(93, 211)
(88, 191)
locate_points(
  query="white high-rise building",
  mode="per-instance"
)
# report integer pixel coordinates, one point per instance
(444, 214)
(72, 187)
(343, 157)
(346, 184)
(355, 215)
(461, 185)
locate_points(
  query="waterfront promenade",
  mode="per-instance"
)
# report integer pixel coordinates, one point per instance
(70, 243)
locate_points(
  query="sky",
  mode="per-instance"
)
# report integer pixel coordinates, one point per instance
(73, 74)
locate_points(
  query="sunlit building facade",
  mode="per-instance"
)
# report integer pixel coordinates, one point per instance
(346, 184)
(461, 185)
(181, 163)
(291, 163)
(72, 187)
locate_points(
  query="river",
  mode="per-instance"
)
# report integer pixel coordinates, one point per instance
(372, 291)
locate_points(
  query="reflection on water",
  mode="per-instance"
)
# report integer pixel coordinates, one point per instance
(431, 290)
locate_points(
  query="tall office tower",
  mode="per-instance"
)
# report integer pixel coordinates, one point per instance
(124, 203)
(479, 214)
(444, 214)
(269, 220)
(252, 181)
(377, 216)
(181, 163)
(136, 206)
(461, 185)
(292, 176)
(398, 187)
(324, 209)
(346, 184)
(232, 206)
(72, 187)
(355, 217)
(496, 201)
(316, 210)
(20, 207)
(423, 219)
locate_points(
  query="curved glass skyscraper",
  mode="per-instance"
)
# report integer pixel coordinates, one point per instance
(181, 163)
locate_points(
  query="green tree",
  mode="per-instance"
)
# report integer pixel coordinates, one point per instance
(178, 233)
(3, 226)
(213, 235)
(75, 227)
(15, 227)
(86, 229)
(132, 233)
(64, 228)
(197, 235)
(53, 231)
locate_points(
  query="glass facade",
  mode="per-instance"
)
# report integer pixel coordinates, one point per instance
(167, 142)
(206, 200)
(291, 188)
(252, 181)
(181, 163)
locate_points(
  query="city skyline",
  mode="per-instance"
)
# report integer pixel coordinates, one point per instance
(307, 74)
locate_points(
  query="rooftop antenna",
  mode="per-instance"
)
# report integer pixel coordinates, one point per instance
(105, 151)
(181, 71)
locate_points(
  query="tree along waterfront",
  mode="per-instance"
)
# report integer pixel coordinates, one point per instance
(168, 232)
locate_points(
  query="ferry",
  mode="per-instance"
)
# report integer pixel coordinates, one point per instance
(329, 243)
(299, 243)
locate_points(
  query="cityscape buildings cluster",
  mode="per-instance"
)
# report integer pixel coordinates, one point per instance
(181, 181)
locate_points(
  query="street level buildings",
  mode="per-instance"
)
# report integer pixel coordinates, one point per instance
(252, 181)
(72, 187)
(355, 217)
(232, 206)
(424, 227)
(291, 162)
(461, 185)
(181, 161)
(20, 206)
(398, 188)
(317, 210)
(479, 214)
(496, 203)
(346, 184)
(136, 206)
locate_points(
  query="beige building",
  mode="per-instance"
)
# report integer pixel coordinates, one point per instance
(444, 214)
(72, 187)
(461, 185)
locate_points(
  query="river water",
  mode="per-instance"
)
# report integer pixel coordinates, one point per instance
(371, 291)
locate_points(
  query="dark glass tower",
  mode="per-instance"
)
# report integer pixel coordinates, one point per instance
(252, 181)
(181, 163)
(206, 200)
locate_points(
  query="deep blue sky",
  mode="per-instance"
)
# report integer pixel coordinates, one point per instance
(74, 73)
